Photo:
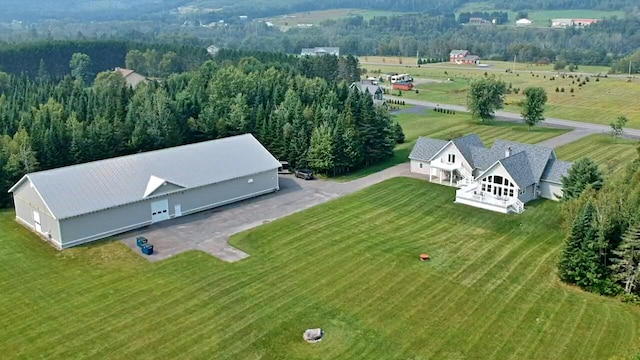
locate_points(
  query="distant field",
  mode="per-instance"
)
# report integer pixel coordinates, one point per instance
(610, 154)
(596, 102)
(443, 126)
(543, 17)
(409, 64)
(316, 17)
(349, 266)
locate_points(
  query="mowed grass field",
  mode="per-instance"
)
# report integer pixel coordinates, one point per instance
(316, 17)
(349, 266)
(610, 154)
(444, 126)
(597, 102)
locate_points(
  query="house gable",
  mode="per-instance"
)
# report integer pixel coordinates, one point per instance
(450, 154)
(497, 169)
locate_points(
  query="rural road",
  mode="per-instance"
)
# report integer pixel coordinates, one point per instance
(509, 116)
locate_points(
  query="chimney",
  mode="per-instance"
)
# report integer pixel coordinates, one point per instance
(507, 152)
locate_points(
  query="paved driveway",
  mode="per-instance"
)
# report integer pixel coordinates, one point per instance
(210, 230)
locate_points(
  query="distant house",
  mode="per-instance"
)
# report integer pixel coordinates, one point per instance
(478, 21)
(132, 78)
(463, 57)
(583, 22)
(561, 23)
(370, 87)
(501, 178)
(524, 22)
(212, 50)
(243, 17)
(320, 51)
(564, 23)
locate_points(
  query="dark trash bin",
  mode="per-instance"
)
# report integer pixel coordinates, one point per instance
(147, 249)
(141, 240)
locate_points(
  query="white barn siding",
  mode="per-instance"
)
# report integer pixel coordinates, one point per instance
(27, 200)
(550, 190)
(101, 224)
(420, 167)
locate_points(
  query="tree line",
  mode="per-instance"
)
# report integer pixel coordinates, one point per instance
(308, 121)
(52, 57)
(602, 250)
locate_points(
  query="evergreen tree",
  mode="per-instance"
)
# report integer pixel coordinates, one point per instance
(583, 173)
(626, 264)
(321, 155)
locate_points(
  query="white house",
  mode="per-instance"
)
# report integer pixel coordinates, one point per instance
(501, 178)
(524, 22)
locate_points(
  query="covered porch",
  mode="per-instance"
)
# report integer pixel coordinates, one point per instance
(449, 174)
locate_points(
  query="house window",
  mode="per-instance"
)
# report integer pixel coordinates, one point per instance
(521, 192)
(420, 165)
(484, 187)
(511, 192)
(451, 158)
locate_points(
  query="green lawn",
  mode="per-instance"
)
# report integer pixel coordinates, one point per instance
(349, 266)
(610, 154)
(443, 126)
(596, 102)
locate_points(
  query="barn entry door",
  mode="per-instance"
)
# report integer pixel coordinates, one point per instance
(159, 211)
(36, 221)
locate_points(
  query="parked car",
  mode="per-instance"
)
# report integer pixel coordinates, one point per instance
(284, 168)
(304, 174)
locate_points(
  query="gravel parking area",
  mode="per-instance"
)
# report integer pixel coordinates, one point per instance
(210, 230)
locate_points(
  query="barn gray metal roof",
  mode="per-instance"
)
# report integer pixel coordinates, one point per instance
(425, 148)
(84, 188)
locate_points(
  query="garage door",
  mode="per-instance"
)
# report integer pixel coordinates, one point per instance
(159, 211)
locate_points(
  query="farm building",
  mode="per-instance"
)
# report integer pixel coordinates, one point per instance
(82, 203)
(523, 22)
(402, 85)
(463, 57)
(317, 51)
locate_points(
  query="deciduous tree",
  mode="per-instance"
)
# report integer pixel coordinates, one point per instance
(533, 107)
(486, 96)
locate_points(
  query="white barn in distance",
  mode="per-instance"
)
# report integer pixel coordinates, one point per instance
(77, 204)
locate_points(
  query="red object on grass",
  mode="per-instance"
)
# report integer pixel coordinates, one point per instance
(424, 257)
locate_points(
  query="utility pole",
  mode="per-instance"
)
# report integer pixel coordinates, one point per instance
(514, 63)
(629, 69)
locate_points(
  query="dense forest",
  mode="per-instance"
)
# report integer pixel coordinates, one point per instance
(164, 10)
(30, 58)
(602, 250)
(301, 109)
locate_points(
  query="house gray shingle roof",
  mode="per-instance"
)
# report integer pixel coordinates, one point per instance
(365, 86)
(321, 51)
(518, 167)
(538, 156)
(425, 148)
(79, 189)
(464, 145)
(555, 170)
(458, 52)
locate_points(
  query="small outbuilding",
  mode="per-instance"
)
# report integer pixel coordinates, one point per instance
(77, 204)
